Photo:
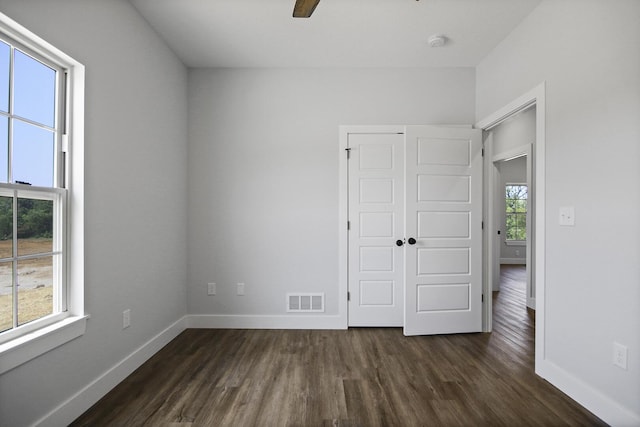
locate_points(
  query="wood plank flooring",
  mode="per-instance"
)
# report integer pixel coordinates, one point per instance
(359, 377)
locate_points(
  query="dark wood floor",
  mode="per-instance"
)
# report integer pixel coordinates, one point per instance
(358, 377)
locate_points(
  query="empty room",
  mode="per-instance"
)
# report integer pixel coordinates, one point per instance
(281, 212)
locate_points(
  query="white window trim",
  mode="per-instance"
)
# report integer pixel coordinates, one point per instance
(71, 324)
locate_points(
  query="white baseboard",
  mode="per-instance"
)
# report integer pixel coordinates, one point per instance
(521, 261)
(77, 404)
(214, 321)
(600, 405)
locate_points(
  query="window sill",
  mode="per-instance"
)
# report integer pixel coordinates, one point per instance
(515, 242)
(29, 346)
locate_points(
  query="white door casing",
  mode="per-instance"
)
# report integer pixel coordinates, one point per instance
(376, 221)
(443, 269)
(434, 285)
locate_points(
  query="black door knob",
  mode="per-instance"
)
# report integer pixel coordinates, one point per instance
(411, 241)
(399, 242)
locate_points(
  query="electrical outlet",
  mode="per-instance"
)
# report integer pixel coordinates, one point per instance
(126, 319)
(620, 355)
(211, 289)
(240, 288)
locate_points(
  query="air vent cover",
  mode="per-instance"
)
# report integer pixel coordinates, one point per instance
(305, 303)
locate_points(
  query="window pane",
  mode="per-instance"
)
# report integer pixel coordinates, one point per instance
(32, 154)
(511, 227)
(35, 226)
(522, 226)
(34, 90)
(516, 191)
(35, 289)
(6, 296)
(4, 149)
(6, 227)
(5, 55)
(523, 205)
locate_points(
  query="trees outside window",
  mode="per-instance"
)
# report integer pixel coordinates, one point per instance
(516, 212)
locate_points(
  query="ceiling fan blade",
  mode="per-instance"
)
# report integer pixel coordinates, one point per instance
(304, 8)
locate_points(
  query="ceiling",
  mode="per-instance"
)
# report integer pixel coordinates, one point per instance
(341, 33)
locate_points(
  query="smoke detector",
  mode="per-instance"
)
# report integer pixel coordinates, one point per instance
(437, 40)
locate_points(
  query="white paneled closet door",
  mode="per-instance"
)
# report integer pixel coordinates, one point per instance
(376, 222)
(443, 268)
(415, 237)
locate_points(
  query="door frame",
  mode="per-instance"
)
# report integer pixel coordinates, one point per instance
(536, 97)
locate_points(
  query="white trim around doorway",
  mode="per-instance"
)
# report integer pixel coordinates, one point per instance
(536, 97)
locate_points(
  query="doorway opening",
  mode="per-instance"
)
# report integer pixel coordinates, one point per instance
(513, 231)
(511, 200)
(512, 226)
(502, 144)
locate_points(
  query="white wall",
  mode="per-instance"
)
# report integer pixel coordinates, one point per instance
(135, 181)
(263, 170)
(511, 172)
(515, 132)
(587, 52)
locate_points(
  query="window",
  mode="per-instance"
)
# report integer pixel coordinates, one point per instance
(516, 212)
(41, 196)
(32, 193)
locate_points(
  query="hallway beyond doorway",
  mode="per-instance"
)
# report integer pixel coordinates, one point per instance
(511, 315)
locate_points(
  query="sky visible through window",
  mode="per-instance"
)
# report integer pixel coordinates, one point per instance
(34, 93)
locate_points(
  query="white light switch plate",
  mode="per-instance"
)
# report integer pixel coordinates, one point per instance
(567, 216)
